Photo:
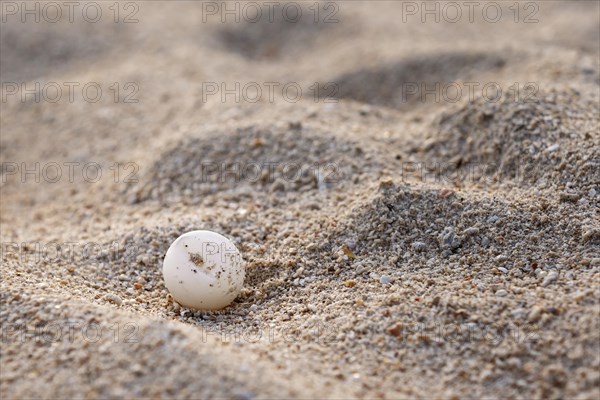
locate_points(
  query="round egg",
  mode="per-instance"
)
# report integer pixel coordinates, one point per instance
(203, 270)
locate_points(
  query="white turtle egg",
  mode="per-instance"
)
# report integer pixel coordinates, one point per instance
(203, 270)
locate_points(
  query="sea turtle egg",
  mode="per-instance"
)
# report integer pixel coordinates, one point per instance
(203, 270)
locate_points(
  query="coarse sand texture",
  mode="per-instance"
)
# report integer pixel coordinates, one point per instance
(398, 239)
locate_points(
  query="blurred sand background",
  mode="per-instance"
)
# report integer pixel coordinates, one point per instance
(366, 277)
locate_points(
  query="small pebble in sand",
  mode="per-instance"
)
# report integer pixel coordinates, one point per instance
(385, 280)
(501, 258)
(418, 246)
(501, 293)
(551, 277)
(203, 270)
(113, 298)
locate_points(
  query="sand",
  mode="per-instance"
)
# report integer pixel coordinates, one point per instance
(395, 247)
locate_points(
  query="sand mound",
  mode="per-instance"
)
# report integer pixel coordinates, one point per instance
(251, 161)
(129, 350)
(404, 83)
(284, 34)
(51, 46)
(551, 142)
(421, 222)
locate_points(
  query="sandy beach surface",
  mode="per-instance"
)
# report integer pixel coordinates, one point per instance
(416, 201)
